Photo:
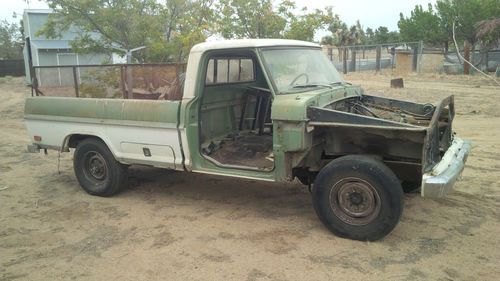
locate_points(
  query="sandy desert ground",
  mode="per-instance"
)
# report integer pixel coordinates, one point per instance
(179, 226)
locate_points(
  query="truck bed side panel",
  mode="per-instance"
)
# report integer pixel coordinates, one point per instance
(130, 128)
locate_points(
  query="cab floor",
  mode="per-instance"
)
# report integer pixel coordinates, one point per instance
(246, 149)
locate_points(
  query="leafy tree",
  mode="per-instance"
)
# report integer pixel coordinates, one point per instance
(343, 34)
(10, 41)
(263, 19)
(253, 18)
(361, 32)
(327, 40)
(369, 32)
(466, 14)
(435, 27)
(304, 26)
(382, 35)
(368, 39)
(422, 25)
(166, 29)
(488, 33)
(339, 30)
(185, 23)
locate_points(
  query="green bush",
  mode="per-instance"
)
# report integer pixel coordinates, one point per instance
(100, 83)
(92, 91)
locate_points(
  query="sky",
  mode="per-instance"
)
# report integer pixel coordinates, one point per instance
(371, 13)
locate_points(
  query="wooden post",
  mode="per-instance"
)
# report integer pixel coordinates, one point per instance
(353, 60)
(414, 59)
(466, 57)
(130, 81)
(420, 56)
(122, 84)
(330, 52)
(75, 81)
(484, 60)
(344, 61)
(377, 58)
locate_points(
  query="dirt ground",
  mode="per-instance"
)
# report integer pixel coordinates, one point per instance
(180, 226)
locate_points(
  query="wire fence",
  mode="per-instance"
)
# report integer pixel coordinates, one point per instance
(402, 56)
(165, 81)
(129, 81)
(406, 57)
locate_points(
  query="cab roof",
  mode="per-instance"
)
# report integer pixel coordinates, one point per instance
(249, 43)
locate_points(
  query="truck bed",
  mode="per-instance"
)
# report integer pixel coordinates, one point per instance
(128, 127)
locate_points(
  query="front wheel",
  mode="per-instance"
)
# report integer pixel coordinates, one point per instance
(97, 170)
(358, 197)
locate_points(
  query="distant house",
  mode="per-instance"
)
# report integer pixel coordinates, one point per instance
(42, 51)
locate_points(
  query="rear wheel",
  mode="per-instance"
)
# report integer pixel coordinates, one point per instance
(97, 170)
(358, 197)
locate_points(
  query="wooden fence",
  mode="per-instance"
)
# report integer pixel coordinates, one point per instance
(11, 68)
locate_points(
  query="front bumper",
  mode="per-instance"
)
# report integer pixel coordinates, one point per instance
(439, 181)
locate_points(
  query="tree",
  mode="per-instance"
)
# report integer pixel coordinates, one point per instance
(304, 26)
(102, 25)
(422, 25)
(361, 32)
(11, 41)
(185, 23)
(369, 34)
(344, 35)
(434, 27)
(262, 19)
(327, 40)
(488, 33)
(253, 18)
(466, 14)
(382, 35)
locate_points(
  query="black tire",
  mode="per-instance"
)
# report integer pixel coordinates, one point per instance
(358, 197)
(97, 170)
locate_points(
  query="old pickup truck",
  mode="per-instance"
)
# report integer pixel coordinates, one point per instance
(268, 110)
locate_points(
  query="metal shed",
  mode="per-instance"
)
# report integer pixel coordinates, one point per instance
(42, 51)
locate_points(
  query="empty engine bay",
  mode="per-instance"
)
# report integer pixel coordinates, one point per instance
(368, 106)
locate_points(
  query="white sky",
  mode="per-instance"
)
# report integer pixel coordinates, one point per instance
(9, 7)
(371, 13)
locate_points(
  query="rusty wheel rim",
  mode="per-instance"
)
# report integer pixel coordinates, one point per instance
(354, 201)
(95, 167)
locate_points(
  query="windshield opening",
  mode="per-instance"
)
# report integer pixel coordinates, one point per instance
(299, 69)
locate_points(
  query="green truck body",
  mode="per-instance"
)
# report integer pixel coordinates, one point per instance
(272, 110)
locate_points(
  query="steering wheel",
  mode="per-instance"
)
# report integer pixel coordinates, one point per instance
(297, 78)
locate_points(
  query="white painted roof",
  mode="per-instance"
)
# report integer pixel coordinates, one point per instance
(249, 43)
(37, 11)
(51, 44)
